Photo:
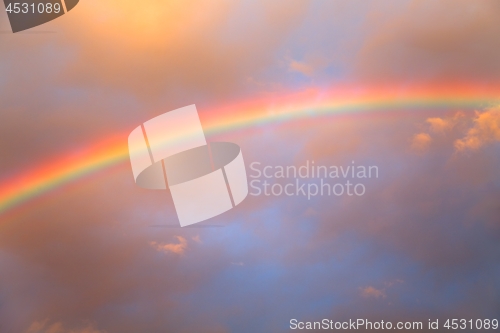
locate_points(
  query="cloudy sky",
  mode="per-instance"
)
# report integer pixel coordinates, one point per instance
(408, 86)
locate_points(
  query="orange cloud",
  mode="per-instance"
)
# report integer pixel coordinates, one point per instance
(486, 129)
(372, 292)
(421, 141)
(45, 327)
(178, 248)
(439, 125)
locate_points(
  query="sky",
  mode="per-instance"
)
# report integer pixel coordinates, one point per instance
(411, 87)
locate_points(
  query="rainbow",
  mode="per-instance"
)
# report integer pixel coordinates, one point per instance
(247, 114)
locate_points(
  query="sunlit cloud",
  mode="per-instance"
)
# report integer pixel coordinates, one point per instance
(442, 125)
(177, 248)
(438, 124)
(46, 327)
(372, 292)
(421, 142)
(486, 129)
